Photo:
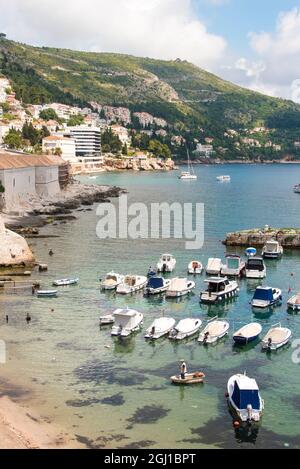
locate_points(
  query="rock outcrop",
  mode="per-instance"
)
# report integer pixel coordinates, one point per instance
(287, 237)
(134, 164)
(14, 250)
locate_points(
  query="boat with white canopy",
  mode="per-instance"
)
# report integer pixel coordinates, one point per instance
(166, 264)
(234, 267)
(111, 281)
(180, 287)
(127, 321)
(185, 328)
(132, 284)
(272, 250)
(276, 337)
(247, 333)
(160, 327)
(219, 289)
(214, 266)
(244, 398)
(214, 331)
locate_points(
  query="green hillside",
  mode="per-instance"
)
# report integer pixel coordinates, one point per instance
(183, 94)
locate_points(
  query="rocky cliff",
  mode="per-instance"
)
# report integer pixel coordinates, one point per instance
(287, 237)
(14, 250)
(133, 164)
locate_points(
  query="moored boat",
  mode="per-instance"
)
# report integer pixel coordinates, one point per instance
(294, 302)
(234, 267)
(160, 328)
(214, 331)
(185, 328)
(132, 284)
(219, 289)
(157, 285)
(256, 268)
(195, 268)
(108, 319)
(66, 282)
(224, 178)
(127, 321)
(244, 398)
(214, 266)
(47, 293)
(166, 264)
(251, 252)
(190, 378)
(111, 281)
(272, 250)
(276, 337)
(180, 287)
(247, 333)
(264, 297)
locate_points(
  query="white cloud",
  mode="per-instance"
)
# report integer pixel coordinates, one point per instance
(164, 29)
(252, 69)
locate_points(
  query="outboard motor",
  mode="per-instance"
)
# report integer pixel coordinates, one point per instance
(269, 344)
(206, 338)
(164, 269)
(249, 410)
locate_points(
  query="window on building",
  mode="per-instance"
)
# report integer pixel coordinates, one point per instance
(14, 182)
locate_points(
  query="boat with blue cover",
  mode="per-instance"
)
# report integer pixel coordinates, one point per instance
(251, 252)
(157, 285)
(244, 398)
(264, 297)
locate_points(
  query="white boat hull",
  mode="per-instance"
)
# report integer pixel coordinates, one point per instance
(213, 338)
(255, 274)
(212, 298)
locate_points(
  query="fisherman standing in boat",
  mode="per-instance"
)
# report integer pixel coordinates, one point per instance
(183, 369)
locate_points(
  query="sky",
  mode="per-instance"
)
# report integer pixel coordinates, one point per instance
(253, 43)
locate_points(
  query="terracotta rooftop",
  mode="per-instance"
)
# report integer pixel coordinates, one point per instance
(56, 137)
(15, 160)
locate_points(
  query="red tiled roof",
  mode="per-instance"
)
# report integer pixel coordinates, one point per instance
(15, 160)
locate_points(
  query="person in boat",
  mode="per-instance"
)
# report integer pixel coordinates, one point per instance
(28, 317)
(153, 331)
(206, 336)
(183, 369)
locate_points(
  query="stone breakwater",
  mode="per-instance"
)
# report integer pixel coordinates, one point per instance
(134, 164)
(287, 237)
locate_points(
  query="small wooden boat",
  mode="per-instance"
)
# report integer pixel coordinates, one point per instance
(190, 378)
(276, 338)
(195, 268)
(248, 333)
(294, 302)
(265, 297)
(66, 282)
(46, 293)
(180, 287)
(214, 331)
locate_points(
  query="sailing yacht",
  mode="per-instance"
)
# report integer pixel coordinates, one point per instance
(190, 174)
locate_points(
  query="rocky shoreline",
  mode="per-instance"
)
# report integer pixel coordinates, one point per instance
(287, 237)
(135, 164)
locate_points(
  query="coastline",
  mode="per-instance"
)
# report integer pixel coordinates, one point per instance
(22, 428)
(207, 162)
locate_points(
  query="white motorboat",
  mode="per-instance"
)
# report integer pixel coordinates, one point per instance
(214, 331)
(127, 321)
(190, 174)
(247, 333)
(256, 268)
(132, 284)
(157, 285)
(166, 264)
(185, 328)
(272, 250)
(219, 289)
(112, 281)
(47, 293)
(294, 302)
(264, 297)
(234, 267)
(66, 282)
(159, 328)
(244, 398)
(224, 178)
(297, 189)
(214, 266)
(180, 287)
(276, 337)
(108, 319)
(195, 268)
(251, 252)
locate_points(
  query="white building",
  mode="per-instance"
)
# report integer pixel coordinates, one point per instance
(206, 150)
(26, 176)
(65, 144)
(87, 139)
(122, 133)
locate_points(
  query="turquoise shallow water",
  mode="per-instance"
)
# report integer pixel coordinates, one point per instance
(113, 393)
